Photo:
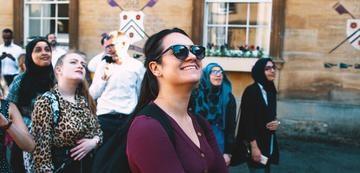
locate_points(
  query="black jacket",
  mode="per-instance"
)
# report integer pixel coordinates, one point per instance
(254, 115)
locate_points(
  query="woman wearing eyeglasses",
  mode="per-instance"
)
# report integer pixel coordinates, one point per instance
(258, 122)
(214, 100)
(164, 137)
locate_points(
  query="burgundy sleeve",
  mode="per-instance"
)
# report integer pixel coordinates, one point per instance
(149, 148)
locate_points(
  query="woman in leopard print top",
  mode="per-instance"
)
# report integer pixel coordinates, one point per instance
(71, 138)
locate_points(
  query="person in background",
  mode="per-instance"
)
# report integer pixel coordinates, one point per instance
(65, 145)
(96, 60)
(258, 122)
(173, 68)
(21, 63)
(37, 79)
(9, 52)
(214, 101)
(56, 50)
(12, 128)
(116, 85)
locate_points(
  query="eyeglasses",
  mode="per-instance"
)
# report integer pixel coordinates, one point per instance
(181, 52)
(267, 68)
(216, 72)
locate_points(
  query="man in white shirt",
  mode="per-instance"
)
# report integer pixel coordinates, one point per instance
(116, 84)
(96, 60)
(56, 50)
(9, 53)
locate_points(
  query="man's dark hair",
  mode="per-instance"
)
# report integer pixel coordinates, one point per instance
(7, 30)
(47, 35)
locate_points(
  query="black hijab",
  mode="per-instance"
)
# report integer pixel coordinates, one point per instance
(37, 79)
(258, 74)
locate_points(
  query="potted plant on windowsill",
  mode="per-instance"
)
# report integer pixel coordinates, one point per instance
(239, 60)
(244, 51)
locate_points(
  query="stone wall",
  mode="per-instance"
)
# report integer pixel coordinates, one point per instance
(312, 29)
(6, 15)
(97, 17)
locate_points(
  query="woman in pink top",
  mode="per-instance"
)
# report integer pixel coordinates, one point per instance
(173, 67)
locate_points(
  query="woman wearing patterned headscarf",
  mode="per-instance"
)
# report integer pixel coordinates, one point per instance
(37, 79)
(214, 101)
(258, 121)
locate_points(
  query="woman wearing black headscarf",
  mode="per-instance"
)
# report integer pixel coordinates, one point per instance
(258, 121)
(37, 79)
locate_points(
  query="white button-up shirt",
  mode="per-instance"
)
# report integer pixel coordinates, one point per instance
(9, 66)
(119, 94)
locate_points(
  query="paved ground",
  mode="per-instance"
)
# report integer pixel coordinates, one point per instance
(307, 156)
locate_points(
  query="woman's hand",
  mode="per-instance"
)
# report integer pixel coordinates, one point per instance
(273, 125)
(227, 158)
(255, 154)
(3, 120)
(83, 148)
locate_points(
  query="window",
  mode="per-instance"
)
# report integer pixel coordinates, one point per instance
(47, 16)
(238, 23)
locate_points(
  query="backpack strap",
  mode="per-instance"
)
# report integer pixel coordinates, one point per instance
(153, 111)
(54, 102)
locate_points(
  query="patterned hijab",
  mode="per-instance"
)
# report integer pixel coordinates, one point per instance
(211, 101)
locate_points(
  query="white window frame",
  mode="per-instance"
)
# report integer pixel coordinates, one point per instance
(27, 3)
(206, 25)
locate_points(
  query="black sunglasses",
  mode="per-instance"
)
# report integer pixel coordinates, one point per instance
(181, 52)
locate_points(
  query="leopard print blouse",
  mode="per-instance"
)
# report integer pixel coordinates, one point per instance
(75, 122)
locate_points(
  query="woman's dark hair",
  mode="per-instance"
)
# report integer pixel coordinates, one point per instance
(153, 48)
(37, 79)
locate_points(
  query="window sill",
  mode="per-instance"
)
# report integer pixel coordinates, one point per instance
(235, 64)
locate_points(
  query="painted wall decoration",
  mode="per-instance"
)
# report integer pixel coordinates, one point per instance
(352, 28)
(132, 22)
(353, 31)
(352, 37)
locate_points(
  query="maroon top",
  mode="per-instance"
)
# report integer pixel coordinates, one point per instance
(150, 150)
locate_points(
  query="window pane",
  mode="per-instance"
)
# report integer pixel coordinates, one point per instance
(216, 36)
(63, 26)
(259, 37)
(34, 28)
(236, 37)
(49, 10)
(260, 13)
(217, 13)
(63, 38)
(63, 10)
(34, 10)
(237, 13)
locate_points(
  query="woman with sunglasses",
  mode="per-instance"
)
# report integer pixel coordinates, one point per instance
(258, 121)
(37, 79)
(214, 100)
(173, 68)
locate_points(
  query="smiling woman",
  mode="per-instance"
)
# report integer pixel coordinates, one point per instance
(172, 70)
(37, 79)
